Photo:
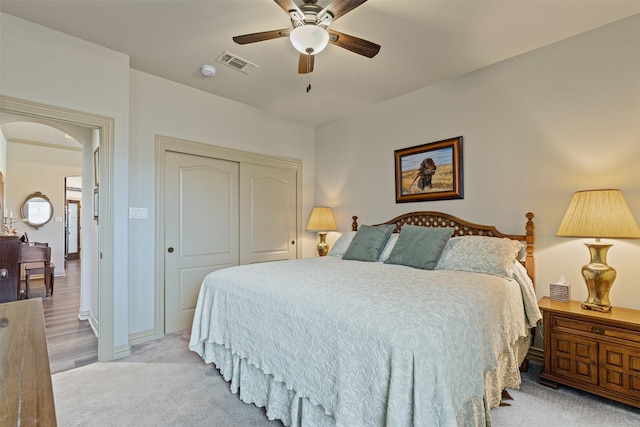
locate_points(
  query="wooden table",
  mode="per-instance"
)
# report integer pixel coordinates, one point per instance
(26, 394)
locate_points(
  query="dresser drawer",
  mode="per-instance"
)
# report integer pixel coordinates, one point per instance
(589, 328)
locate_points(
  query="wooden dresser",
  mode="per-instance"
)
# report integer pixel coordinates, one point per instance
(26, 394)
(9, 268)
(592, 351)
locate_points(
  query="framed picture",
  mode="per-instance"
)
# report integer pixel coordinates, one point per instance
(96, 206)
(430, 171)
(96, 166)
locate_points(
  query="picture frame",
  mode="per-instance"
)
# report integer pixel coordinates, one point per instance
(431, 171)
(96, 167)
(96, 206)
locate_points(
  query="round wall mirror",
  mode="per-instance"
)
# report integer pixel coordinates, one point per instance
(36, 210)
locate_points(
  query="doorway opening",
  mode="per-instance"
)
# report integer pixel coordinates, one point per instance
(72, 218)
(102, 240)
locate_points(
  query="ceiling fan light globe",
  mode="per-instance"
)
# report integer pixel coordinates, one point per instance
(309, 39)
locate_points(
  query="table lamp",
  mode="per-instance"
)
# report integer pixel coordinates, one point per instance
(321, 220)
(598, 214)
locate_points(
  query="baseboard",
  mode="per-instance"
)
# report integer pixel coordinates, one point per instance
(121, 351)
(536, 355)
(93, 322)
(85, 315)
(142, 337)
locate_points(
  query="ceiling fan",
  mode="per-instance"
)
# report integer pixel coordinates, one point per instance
(310, 33)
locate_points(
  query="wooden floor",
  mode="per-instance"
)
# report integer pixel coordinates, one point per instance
(71, 342)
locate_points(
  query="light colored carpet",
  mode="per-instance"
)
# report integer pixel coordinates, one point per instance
(161, 384)
(164, 384)
(535, 405)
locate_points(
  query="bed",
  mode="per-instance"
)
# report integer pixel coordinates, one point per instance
(377, 334)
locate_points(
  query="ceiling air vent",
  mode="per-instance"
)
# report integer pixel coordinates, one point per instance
(235, 62)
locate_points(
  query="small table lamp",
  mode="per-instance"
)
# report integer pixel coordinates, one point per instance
(321, 220)
(598, 213)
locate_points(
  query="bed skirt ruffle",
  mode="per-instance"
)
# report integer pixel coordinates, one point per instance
(263, 390)
(282, 403)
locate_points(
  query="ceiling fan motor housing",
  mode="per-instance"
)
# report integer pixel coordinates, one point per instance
(312, 14)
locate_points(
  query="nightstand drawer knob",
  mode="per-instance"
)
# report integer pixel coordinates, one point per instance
(596, 330)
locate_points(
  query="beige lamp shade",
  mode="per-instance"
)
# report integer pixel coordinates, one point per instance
(599, 213)
(321, 219)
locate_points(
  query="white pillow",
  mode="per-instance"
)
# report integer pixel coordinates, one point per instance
(480, 254)
(388, 247)
(341, 245)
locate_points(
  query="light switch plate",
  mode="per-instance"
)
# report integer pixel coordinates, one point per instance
(138, 213)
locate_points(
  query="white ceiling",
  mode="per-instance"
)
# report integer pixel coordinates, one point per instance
(28, 132)
(423, 42)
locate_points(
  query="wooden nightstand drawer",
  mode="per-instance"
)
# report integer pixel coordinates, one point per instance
(570, 325)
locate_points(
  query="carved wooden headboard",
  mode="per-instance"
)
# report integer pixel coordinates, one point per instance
(466, 228)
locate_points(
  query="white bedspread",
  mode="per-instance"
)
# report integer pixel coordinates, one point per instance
(366, 344)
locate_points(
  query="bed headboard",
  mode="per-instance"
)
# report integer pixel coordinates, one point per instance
(466, 228)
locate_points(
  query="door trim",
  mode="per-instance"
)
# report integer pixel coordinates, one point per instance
(167, 143)
(106, 349)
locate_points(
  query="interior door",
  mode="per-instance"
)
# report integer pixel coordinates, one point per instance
(200, 229)
(73, 229)
(267, 213)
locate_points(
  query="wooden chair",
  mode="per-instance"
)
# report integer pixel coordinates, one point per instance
(36, 258)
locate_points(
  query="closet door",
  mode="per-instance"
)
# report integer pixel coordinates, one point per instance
(267, 213)
(200, 229)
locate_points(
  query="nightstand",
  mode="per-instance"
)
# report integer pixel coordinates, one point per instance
(592, 351)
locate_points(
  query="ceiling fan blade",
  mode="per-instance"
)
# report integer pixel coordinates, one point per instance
(258, 37)
(354, 44)
(339, 7)
(288, 6)
(305, 67)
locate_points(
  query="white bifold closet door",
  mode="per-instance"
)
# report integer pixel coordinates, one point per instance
(220, 213)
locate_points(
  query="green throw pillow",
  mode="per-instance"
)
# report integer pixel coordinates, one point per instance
(419, 247)
(368, 243)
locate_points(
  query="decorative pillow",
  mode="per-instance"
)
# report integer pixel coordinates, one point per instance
(388, 247)
(368, 243)
(480, 254)
(419, 247)
(341, 245)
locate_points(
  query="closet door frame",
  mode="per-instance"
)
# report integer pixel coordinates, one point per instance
(167, 143)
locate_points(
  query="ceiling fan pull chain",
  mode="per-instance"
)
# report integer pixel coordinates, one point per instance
(308, 73)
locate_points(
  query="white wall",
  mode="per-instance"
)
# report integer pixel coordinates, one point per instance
(32, 168)
(536, 128)
(3, 156)
(161, 107)
(52, 68)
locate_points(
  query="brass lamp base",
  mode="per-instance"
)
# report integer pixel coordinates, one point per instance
(599, 278)
(323, 247)
(595, 307)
